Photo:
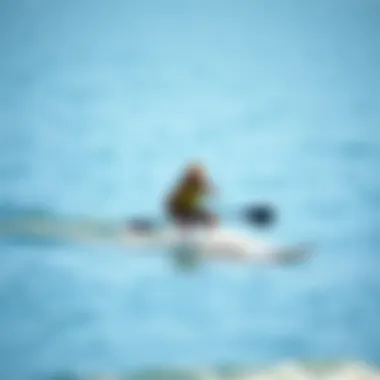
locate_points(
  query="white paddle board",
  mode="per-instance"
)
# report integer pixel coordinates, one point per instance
(216, 243)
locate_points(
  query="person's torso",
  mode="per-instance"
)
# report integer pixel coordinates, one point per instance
(188, 197)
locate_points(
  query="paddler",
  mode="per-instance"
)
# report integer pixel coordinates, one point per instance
(185, 205)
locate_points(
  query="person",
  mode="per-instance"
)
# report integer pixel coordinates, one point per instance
(185, 204)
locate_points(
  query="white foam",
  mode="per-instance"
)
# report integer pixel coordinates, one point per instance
(285, 371)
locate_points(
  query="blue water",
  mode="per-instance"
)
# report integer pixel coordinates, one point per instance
(103, 102)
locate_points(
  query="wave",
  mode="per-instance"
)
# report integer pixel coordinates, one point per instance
(289, 371)
(40, 224)
(12, 210)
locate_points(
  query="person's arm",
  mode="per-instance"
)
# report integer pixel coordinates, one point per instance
(211, 189)
(168, 201)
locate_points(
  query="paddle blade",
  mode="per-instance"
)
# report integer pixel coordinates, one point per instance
(142, 225)
(263, 215)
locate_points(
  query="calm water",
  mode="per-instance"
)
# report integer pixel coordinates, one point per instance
(102, 102)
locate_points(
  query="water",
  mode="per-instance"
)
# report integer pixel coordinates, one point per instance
(103, 102)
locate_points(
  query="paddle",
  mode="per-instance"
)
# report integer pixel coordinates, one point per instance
(258, 215)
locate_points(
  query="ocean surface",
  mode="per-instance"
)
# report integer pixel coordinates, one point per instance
(102, 103)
